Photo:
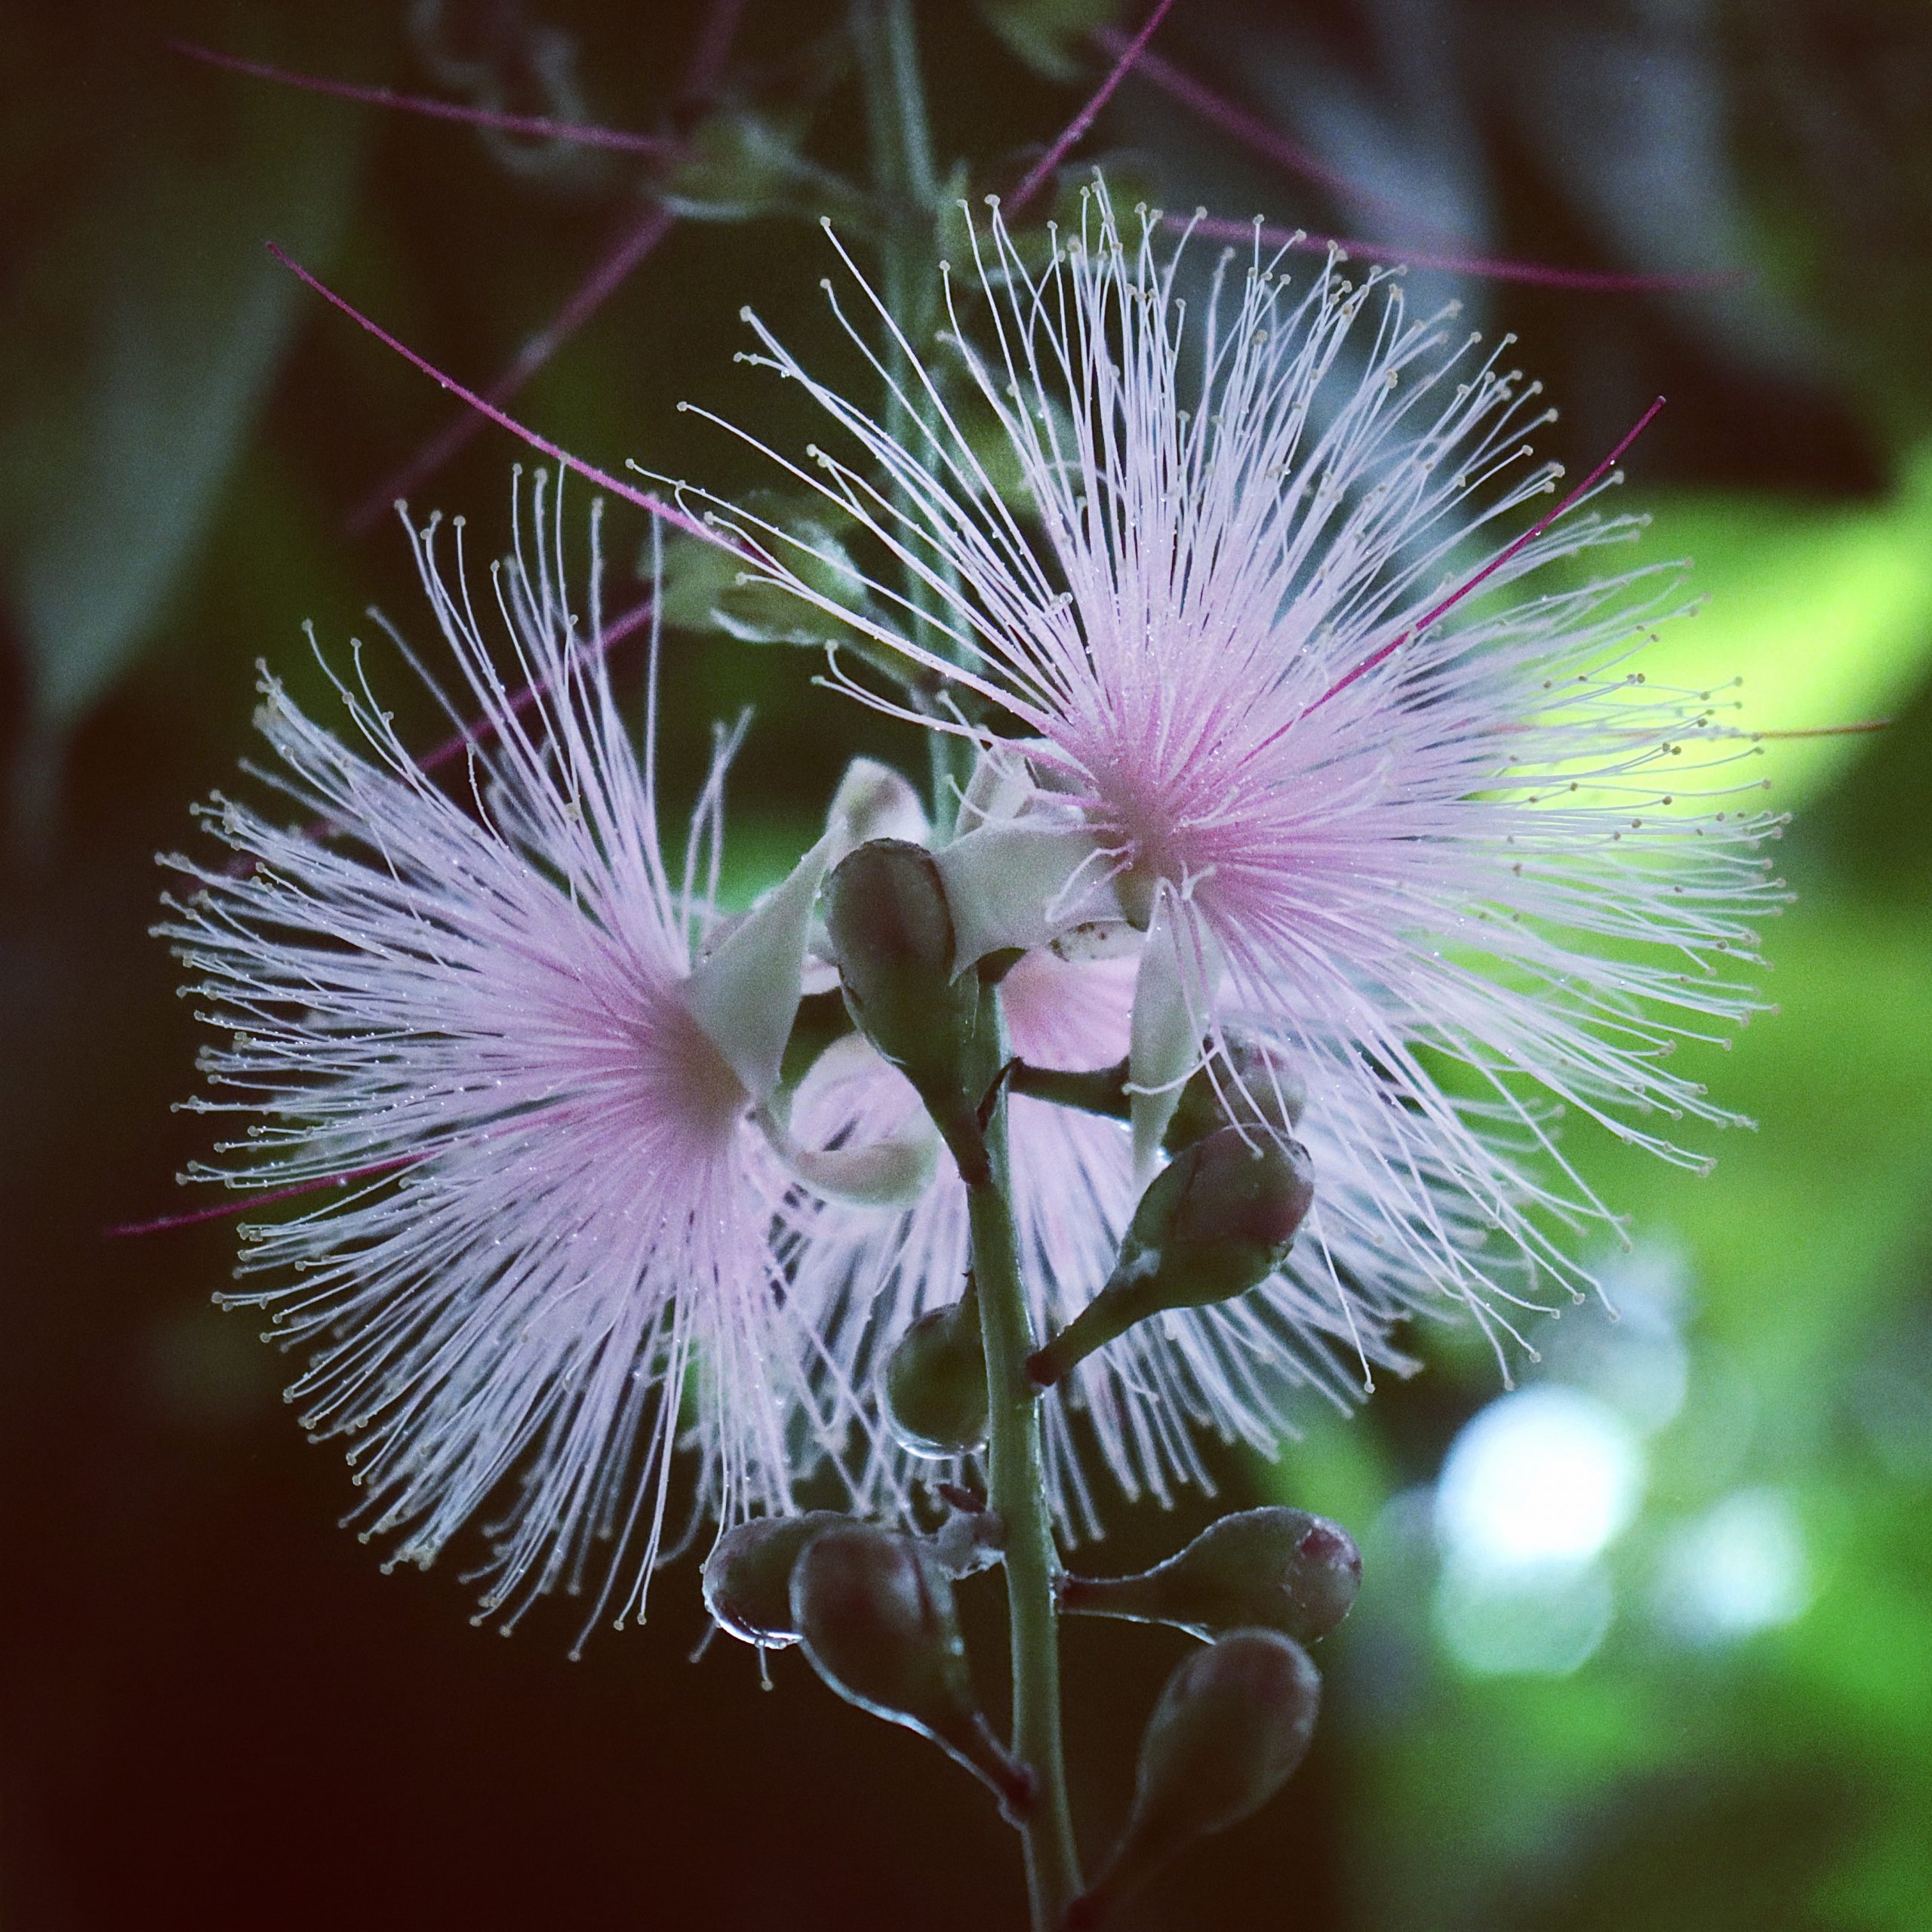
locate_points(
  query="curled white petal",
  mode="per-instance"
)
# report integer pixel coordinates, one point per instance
(875, 801)
(1019, 883)
(1173, 1006)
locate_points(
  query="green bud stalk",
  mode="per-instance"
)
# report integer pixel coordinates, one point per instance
(1273, 1569)
(934, 1386)
(1217, 1220)
(1233, 1725)
(875, 1614)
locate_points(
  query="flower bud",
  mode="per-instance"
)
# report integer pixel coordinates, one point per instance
(890, 929)
(876, 1614)
(1233, 1724)
(1250, 1082)
(748, 1576)
(1274, 1569)
(1220, 1218)
(935, 1382)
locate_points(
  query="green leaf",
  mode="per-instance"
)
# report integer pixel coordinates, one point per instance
(152, 324)
(1050, 34)
(706, 587)
(1825, 610)
(738, 166)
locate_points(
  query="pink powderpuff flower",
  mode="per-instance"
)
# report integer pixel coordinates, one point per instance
(488, 1011)
(1450, 850)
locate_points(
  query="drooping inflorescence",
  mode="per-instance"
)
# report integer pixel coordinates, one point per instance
(1303, 841)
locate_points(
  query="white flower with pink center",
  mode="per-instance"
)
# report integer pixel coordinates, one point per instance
(1429, 828)
(488, 1006)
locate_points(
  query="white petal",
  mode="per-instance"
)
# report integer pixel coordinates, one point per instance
(1020, 883)
(875, 801)
(745, 994)
(1173, 996)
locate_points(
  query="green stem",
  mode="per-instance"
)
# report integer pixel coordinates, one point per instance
(1017, 1490)
(907, 190)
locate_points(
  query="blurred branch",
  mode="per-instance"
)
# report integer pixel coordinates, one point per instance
(539, 126)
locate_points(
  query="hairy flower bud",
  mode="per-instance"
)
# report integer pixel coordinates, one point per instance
(1232, 1727)
(748, 1576)
(935, 1382)
(1272, 1569)
(891, 932)
(876, 1614)
(1220, 1218)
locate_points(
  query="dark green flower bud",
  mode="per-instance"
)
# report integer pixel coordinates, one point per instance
(748, 1576)
(1275, 1569)
(876, 1614)
(1220, 1218)
(891, 932)
(1233, 1724)
(935, 1382)
(1249, 1081)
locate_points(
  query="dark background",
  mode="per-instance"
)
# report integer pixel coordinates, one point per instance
(217, 1711)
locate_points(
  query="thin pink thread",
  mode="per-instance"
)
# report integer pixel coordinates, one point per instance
(602, 283)
(645, 499)
(230, 1207)
(1482, 576)
(1077, 126)
(539, 126)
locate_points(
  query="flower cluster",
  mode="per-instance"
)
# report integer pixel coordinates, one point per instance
(1277, 774)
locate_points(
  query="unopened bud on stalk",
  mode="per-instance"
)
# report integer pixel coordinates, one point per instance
(1233, 1725)
(1219, 1219)
(1249, 1081)
(891, 932)
(1274, 1569)
(748, 1576)
(876, 1614)
(935, 1382)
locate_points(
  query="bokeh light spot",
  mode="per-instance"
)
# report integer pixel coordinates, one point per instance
(1546, 1476)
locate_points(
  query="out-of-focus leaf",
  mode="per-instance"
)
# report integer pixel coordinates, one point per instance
(755, 613)
(1049, 35)
(738, 166)
(705, 588)
(1825, 611)
(694, 575)
(1831, 1187)
(148, 333)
